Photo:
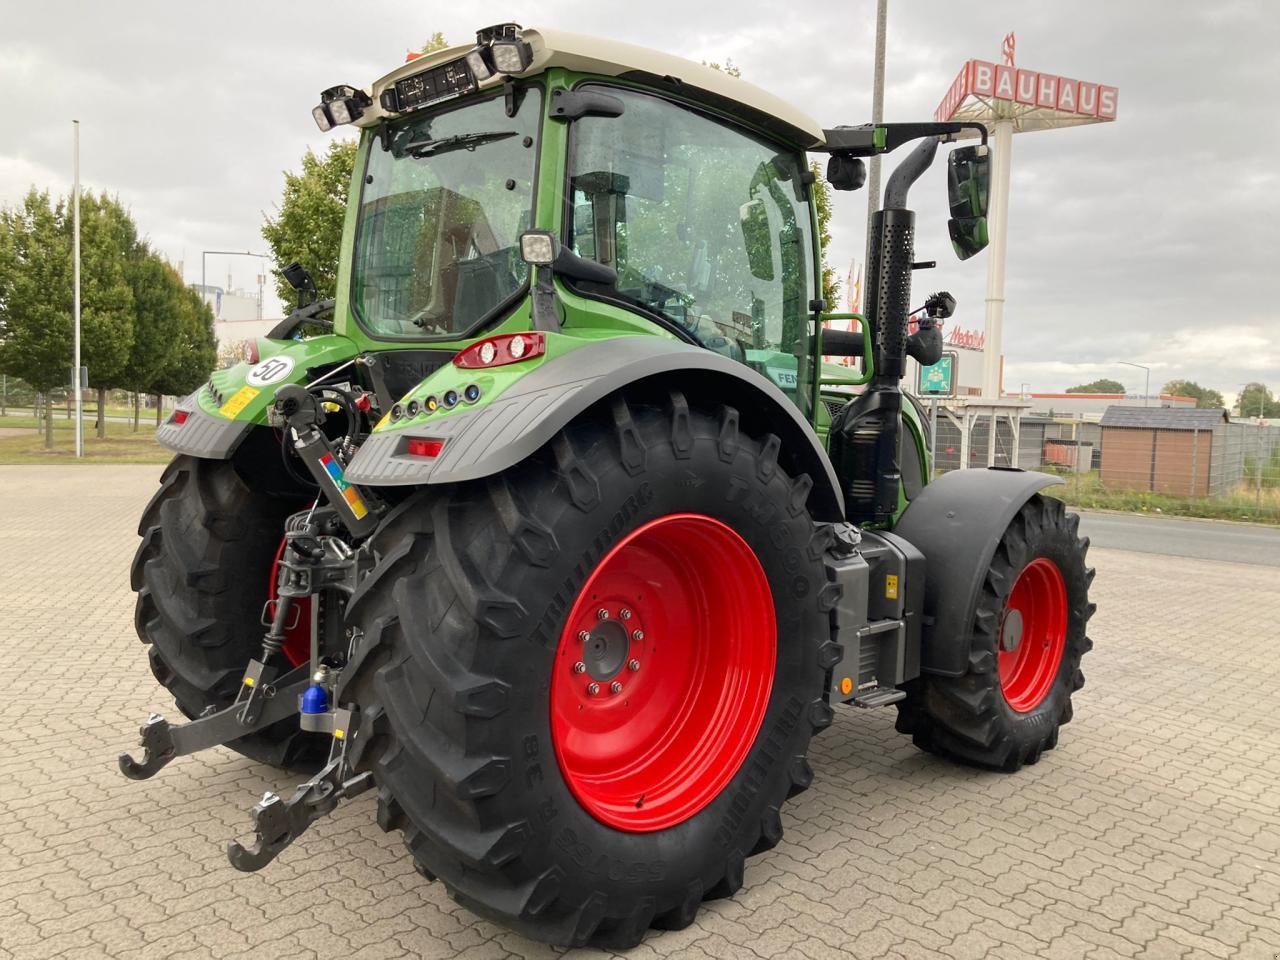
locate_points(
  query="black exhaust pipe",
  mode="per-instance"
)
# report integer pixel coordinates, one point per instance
(865, 434)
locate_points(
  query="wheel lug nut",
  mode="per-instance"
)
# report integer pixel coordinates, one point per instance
(633, 665)
(602, 614)
(637, 634)
(616, 687)
(593, 688)
(584, 636)
(579, 667)
(624, 613)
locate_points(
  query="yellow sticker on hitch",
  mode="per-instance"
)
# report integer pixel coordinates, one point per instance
(891, 586)
(239, 400)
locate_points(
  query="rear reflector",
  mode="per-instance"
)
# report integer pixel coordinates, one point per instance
(179, 417)
(418, 447)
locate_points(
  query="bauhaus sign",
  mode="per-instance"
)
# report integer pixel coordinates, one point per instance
(1031, 88)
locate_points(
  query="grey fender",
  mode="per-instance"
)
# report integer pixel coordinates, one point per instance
(957, 522)
(488, 440)
(202, 435)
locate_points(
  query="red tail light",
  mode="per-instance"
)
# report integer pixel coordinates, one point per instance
(250, 351)
(502, 349)
(179, 417)
(419, 447)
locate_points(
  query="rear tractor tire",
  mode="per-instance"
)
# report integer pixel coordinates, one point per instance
(588, 684)
(202, 574)
(1028, 636)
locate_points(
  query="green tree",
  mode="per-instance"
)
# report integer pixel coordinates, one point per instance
(158, 304)
(1205, 398)
(308, 226)
(1257, 397)
(1104, 385)
(194, 353)
(35, 297)
(435, 42)
(822, 202)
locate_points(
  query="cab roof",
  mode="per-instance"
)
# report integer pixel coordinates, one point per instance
(613, 58)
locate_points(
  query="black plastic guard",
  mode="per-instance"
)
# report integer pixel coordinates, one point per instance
(957, 522)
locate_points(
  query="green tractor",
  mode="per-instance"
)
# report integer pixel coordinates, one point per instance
(555, 530)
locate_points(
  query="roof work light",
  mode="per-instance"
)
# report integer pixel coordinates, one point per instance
(339, 105)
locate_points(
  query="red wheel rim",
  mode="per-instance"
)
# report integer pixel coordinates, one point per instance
(675, 629)
(1033, 635)
(297, 634)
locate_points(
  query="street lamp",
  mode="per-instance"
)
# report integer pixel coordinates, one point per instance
(1146, 390)
(229, 253)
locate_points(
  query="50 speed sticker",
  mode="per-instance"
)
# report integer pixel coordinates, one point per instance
(270, 370)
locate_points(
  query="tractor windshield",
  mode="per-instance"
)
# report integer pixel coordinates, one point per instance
(708, 227)
(446, 196)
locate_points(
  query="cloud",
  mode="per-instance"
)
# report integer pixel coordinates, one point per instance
(1151, 239)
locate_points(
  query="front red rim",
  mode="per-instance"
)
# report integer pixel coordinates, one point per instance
(1033, 635)
(663, 673)
(297, 634)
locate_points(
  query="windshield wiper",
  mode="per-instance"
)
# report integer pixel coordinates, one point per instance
(462, 141)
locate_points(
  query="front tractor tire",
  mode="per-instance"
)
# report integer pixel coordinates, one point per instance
(588, 684)
(1027, 640)
(202, 574)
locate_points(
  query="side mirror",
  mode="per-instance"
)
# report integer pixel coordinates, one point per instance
(755, 235)
(968, 190)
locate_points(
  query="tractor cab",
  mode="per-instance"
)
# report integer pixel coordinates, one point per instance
(693, 194)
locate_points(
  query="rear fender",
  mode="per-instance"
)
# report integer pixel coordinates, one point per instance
(488, 439)
(956, 522)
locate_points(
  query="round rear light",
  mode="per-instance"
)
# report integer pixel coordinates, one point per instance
(518, 346)
(488, 352)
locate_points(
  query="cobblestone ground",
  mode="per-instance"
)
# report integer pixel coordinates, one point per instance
(1152, 831)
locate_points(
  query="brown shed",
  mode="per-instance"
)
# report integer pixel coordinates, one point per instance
(1159, 449)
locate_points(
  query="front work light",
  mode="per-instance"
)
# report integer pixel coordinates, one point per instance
(538, 248)
(480, 68)
(511, 56)
(321, 115)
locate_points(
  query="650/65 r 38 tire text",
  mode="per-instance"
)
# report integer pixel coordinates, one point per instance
(202, 574)
(1027, 639)
(588, 684)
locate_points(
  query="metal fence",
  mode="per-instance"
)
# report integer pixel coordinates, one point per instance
(1229, 471)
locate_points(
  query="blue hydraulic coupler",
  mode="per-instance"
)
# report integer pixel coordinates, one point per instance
(315, 699)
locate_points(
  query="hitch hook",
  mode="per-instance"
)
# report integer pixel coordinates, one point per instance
(157, 750)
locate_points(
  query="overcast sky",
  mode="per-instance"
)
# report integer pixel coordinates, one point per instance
(1154, 239)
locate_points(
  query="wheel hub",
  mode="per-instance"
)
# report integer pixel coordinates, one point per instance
(1011, 630)
(606, 650)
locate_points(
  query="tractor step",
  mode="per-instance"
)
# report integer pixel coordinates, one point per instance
(879, 697)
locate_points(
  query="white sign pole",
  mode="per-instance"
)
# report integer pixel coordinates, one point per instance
(75, 256)
(998, 231)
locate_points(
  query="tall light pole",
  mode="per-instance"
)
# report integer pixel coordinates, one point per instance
(1146, 390)
(75, 259)
(877, 111)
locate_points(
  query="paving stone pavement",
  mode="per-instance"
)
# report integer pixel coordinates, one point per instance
(1152, 831)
